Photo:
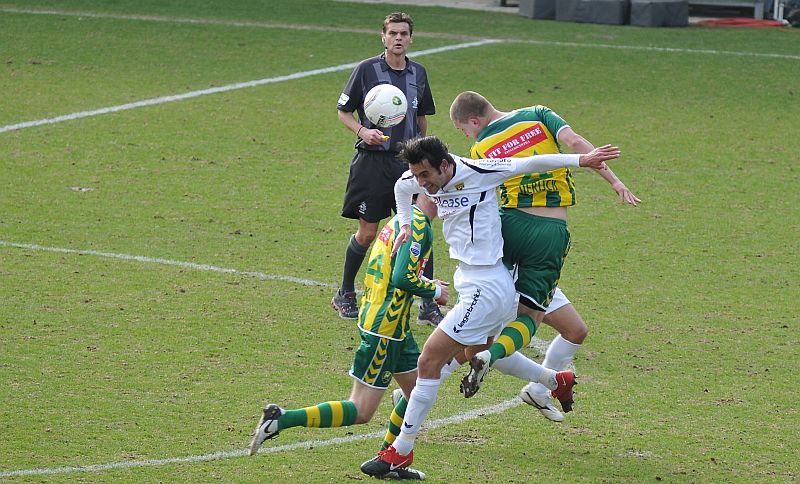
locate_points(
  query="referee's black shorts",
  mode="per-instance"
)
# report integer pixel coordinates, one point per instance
(370, 186)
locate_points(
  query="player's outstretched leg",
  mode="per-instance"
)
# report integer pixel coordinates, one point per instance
(559, 356)
(517, 334)
(395, 419)
(267, 427)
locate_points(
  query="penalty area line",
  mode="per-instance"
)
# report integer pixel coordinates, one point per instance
(168, 262)
(226, 88)
(308, 444)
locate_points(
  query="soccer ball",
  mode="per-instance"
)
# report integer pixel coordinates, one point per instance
(385, 105)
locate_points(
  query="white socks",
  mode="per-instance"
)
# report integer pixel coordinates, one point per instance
(520, 366)
(424, 395)
(524, 368)
(560, 353)
(449, 368)
(422, 399)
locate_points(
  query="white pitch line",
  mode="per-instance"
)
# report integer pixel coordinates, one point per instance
(536, 343)
(169, 262)
(226, 88)
(646, 48)
(308, 444)
(182, 20)
(300, 75)
(318, 28)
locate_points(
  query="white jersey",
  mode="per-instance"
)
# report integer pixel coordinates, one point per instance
(468, 205)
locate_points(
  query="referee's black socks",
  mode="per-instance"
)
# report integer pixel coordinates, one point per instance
(353, 258)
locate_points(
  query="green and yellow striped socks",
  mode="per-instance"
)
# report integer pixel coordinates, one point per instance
(395, 421)
(515, 336)
(328, 414)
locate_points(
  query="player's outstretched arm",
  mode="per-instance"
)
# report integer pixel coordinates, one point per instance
(625, 195)
(598, 156)
(579, 144)
(408, 262)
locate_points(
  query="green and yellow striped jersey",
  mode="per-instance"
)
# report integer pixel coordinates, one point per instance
(526, 132)
(391, 282)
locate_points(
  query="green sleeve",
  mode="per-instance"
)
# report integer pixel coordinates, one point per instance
(551, 120)
(409, 257)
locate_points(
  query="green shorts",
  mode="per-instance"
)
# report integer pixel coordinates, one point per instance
(377, 359)
(537, 246)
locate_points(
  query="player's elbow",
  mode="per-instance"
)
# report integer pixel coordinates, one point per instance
(402, 283)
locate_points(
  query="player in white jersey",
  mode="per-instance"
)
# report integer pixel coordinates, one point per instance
(464, 191)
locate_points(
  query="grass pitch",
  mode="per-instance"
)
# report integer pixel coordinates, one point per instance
(146, 369)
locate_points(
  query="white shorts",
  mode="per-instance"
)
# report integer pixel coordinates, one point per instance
(559, 300)
(485, 303)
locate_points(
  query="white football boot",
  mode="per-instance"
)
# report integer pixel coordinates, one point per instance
(542, 401)
(267, 427)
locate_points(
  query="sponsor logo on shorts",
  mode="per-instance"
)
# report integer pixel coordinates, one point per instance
(362, 208)
(386, 377)
(457, 328)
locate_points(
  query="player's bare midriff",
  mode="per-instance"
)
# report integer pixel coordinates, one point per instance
(553, 212)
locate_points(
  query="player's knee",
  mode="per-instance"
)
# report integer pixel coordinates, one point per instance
(365, 412)
(576, 333)
(365, 237)
(429, 366)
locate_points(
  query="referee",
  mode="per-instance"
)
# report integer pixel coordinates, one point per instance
(375, 168)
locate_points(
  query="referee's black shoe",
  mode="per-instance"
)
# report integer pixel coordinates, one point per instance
(429, 313)
(345, 304)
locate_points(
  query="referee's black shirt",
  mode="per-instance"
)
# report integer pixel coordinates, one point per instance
(413, 81)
